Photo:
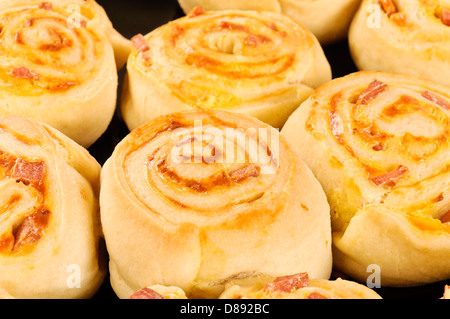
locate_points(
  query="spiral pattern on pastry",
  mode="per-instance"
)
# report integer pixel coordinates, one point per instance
(81, 13)
(403, 36)
(55, 72)
(49, 223)
(328, 20)
(194, 198)
(223, 60)
(379, 143)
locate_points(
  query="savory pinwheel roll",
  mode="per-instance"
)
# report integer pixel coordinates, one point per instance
(329, 20)
(258, 63)
(55, 71)
(197, 198)
(403, 36)
(82, 13)
(49, 223)
(298, 286)
(379, 143)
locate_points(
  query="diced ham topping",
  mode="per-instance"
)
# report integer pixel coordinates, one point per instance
(378, 147)
(139, 43)
(255, 40)
(439, 198)
(245, 172)
(46, 6)
(28, 172)
(316, 295)
(24, 73)
(399, 18)
(31, 228)
(436, 99)
(445, 218)
(146, 293)
(390, 179)
(196, 11)
(225, 25)
(445, 18)
(388, 7)
(336, 128)
(372, 91)
(288, 284)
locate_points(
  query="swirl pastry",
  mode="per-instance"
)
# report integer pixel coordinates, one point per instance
(403, 36)
(299, 286)
(49, 223)
(223, 60)
(55, 72)
(196, 198)
(328, 20)
(379, 143)
(83, 13)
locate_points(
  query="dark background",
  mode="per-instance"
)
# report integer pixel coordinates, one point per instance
(142, 16)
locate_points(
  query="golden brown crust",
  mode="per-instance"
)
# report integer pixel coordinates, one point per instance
(329, 20)
(196, 213)
(383, 143)
(49, 222)
(402, 36)
(223, 60)
(299, 286)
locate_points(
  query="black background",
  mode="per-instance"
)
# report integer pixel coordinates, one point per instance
(131, 17)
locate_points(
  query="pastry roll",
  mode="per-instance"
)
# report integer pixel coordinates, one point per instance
(55, 71)
(329, 20)
(80, 13)
(379, 143)
(223, 60)
(299, 286)
(159, 292)
(403, 36)
(197, 198)
(49, 223)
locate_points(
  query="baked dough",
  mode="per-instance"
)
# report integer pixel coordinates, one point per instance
(159, 292)
(55, 72)
(329, 20)
(403, 36)
(80, 12)
(298, 286)
(223, 60)
(197, 198)
(49, 222)
(379, 143)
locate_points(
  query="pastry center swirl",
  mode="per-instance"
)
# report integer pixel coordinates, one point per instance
(207, 166)
(42, 51)
(392, 132)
